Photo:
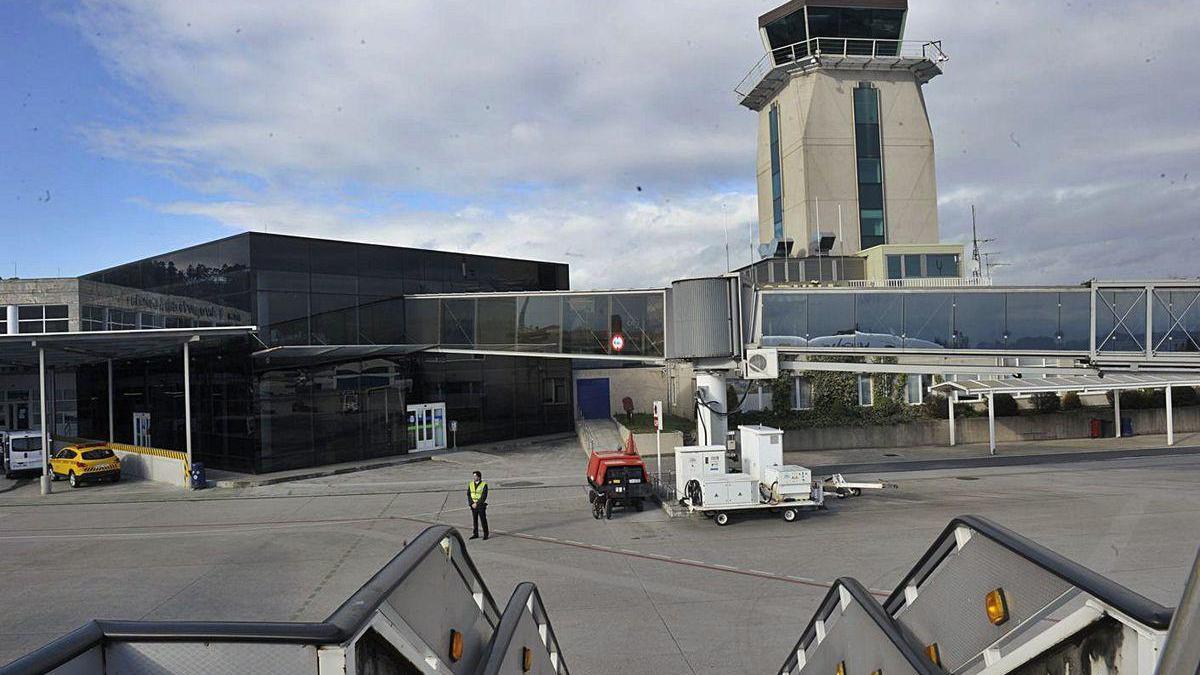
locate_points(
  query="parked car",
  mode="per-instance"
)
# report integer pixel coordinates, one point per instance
(81, 464)
(21, 452)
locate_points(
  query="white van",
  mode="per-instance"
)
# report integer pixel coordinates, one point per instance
(21, 451)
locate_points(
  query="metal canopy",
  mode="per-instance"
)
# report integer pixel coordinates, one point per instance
(303, 355)
(1069, 383)
(75, 349)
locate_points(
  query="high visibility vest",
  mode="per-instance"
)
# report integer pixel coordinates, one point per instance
(476, 491)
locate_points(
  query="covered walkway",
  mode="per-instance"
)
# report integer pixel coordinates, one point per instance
(41, 351)
(974, 391)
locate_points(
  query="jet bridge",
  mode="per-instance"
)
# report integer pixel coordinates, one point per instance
(426, 611)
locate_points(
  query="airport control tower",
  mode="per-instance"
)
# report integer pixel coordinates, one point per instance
(842, 123)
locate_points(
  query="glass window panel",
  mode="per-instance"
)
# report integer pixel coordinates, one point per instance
(381, 320)
(801, 394)
(912, 267)
(866, 393)
(1075, 320)
(655, 324)
(639, 319)
(1120, 321)
(927, 320)
(25, 312)
(57, 326)
(284, 315)
(333, 257)
(979, 320)
(539, 323)
(870, 171)
(421, 324)
(870, 197)
(880, 319)
(380, 261)
(458, 323)
(831, 315)
(334, 283)
(894, 269)
(941, 265)
(914, 389)
(1177, 321)
(585, 324)
(56, 311)
(273, 280)
(334, 319)
(497, 323)
(1032, 321)
(866, 139)
(785, 318)
(279, 253)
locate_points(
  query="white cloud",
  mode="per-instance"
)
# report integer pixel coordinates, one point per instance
(605, 134)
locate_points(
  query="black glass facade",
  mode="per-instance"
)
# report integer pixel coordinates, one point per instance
(860, 31)
(250, 416)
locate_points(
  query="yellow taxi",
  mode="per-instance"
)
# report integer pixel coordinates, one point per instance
(85, 463)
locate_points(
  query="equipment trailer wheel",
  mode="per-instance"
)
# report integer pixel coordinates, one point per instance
(790, 515)
(721, 519)
(608, 506)
(597, 509)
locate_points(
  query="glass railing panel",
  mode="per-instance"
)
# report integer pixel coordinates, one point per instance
(785, 319)
(1120, 320)
(496, 324)
(1032, 321)
(539, 323)
(458, 323)
(880, 319)
(928, 319)
(979, 321)
(1075, 320)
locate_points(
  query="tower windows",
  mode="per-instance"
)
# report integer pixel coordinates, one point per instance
(776, 172)
(869, 151)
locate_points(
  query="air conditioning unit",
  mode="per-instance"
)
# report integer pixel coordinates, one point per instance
(762, 364)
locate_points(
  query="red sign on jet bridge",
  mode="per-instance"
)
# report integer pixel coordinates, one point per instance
(617, 342)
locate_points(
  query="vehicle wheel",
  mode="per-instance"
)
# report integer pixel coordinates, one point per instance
(72, 480)
(53, 477)
(721, 519)
(117, 478)
(637, 504)
(8, 475)
(608, 509)
(597, 509)
(855, 492)
(790, 515)
(592, 496)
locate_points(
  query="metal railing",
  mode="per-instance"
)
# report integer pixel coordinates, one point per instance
(859, 48)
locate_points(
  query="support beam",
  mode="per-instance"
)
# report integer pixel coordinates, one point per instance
(950, 404)
(991, 423)
(1170, 419)
(711, 423)
(46, 449)
(187, 405)
(1116, 413)
(111, 422)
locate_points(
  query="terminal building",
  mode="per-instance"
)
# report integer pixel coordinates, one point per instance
(329, 375)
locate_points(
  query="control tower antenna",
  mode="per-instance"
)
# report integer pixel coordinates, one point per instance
(976, 256)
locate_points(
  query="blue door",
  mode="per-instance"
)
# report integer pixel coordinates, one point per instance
(592, 395)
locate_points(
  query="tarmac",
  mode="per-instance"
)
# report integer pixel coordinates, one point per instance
(639, 593)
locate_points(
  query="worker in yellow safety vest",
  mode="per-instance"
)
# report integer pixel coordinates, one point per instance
(477, 494)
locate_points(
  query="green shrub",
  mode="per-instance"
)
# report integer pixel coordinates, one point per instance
(936, 406)
(1006, 406)
(1184, 396)
(1047, 402)
(1070, 401)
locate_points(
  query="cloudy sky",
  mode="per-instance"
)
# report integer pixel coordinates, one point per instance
(601, 134)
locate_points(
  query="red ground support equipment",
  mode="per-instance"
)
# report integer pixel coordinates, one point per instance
(616, 479)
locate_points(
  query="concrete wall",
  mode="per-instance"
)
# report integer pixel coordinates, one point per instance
(158, 468)
(645, 386)
(818, 159)
(975, 430)
(646, 443)
(53, 291)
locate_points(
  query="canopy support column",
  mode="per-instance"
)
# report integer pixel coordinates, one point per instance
(46, 449)
(1116, 413)
(950, 405)
(187, 406)
(111, 423)
(991, 423)
(1170, 419)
